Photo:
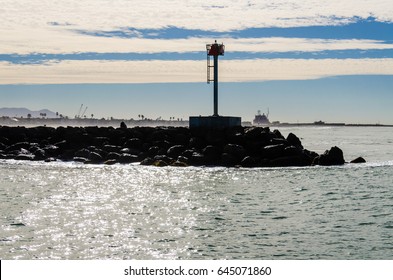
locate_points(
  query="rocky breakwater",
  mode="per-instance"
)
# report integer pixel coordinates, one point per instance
(162, 146)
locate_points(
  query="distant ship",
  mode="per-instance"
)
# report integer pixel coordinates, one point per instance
(261, 119)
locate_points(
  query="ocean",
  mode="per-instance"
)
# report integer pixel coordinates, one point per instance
(74, 211)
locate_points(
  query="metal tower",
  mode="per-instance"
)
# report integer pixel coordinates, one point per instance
(214, 50)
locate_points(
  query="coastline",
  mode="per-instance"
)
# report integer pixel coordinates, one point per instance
(56, 122)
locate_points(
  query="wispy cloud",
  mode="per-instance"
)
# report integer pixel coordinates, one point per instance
(67, 42)
(157, 71)
(223, 15)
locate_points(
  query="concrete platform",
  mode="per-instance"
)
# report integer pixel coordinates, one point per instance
(214, 122)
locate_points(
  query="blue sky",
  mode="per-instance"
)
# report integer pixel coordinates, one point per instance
(304, 60)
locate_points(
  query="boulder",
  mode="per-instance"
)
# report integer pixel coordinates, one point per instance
(358, 160)
(160, 163)
(273, 151)
(111, 148)
(153, 151)
(23, 156)
(182, 159)
(211, 153)
(294, 140)
(334, 156)
(179, 164)
(123, 125)
(164, 158)
(95, 157)
(82, 153)
(80, 159)
(197, 159)
(39, 154)
(235, 150)
(133, 143)
(296, 160)
(110, 162)
(127, 158)
(249, 161)
(175, 151)
(147, 161)
(229, 160)
(113, 156)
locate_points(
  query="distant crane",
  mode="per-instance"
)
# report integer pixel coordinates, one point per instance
(84, 112)
(77, 116)
(80, 114)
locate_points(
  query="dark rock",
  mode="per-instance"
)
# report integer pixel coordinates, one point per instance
(112, 156)
(153, 151)
(110, 162)
(160, 163)
(101, 141)
(310, 155)
(18, 146)
(51, 150)
(127, 158)
(39, 154)
(80, 159)
(2, 147)
(61, 145)
(358, 160)
(253, 133)
(179, 164)
(334, 156)
(278, 134)
(273, 151)
(165, 158)
(95, 157)
(23, 156)
(212, 154)
(188, 153)
(147, 161)
(181, 138)
(134, 143)
(292, 151)
(235, 150)
(249, 161)
(175, 151)
(295, 160)
(182, 159)
(82, 153)
(164, 145)
(111, 148)
(123, 125)
(197, 159)
(294, 140)
(277, 141)
(229, 160)
(197, 143)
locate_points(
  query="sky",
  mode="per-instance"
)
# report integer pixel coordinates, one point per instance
(302, 61)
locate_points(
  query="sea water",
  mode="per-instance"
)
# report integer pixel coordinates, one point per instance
(75, 211)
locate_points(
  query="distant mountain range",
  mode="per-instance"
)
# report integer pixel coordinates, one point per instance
(24, 112)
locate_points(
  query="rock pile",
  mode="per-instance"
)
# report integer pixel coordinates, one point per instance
(162, 146)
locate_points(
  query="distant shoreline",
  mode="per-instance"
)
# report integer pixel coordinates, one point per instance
(55, 122)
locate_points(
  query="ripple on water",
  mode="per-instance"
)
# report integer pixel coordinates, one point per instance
(73, 211)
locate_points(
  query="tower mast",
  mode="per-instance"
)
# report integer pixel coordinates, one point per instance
(214, 50)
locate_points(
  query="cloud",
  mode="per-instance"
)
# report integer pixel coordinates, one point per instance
(23, 43)
(58, 27)
(224, 15)
(72, 27)
(157, 71)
